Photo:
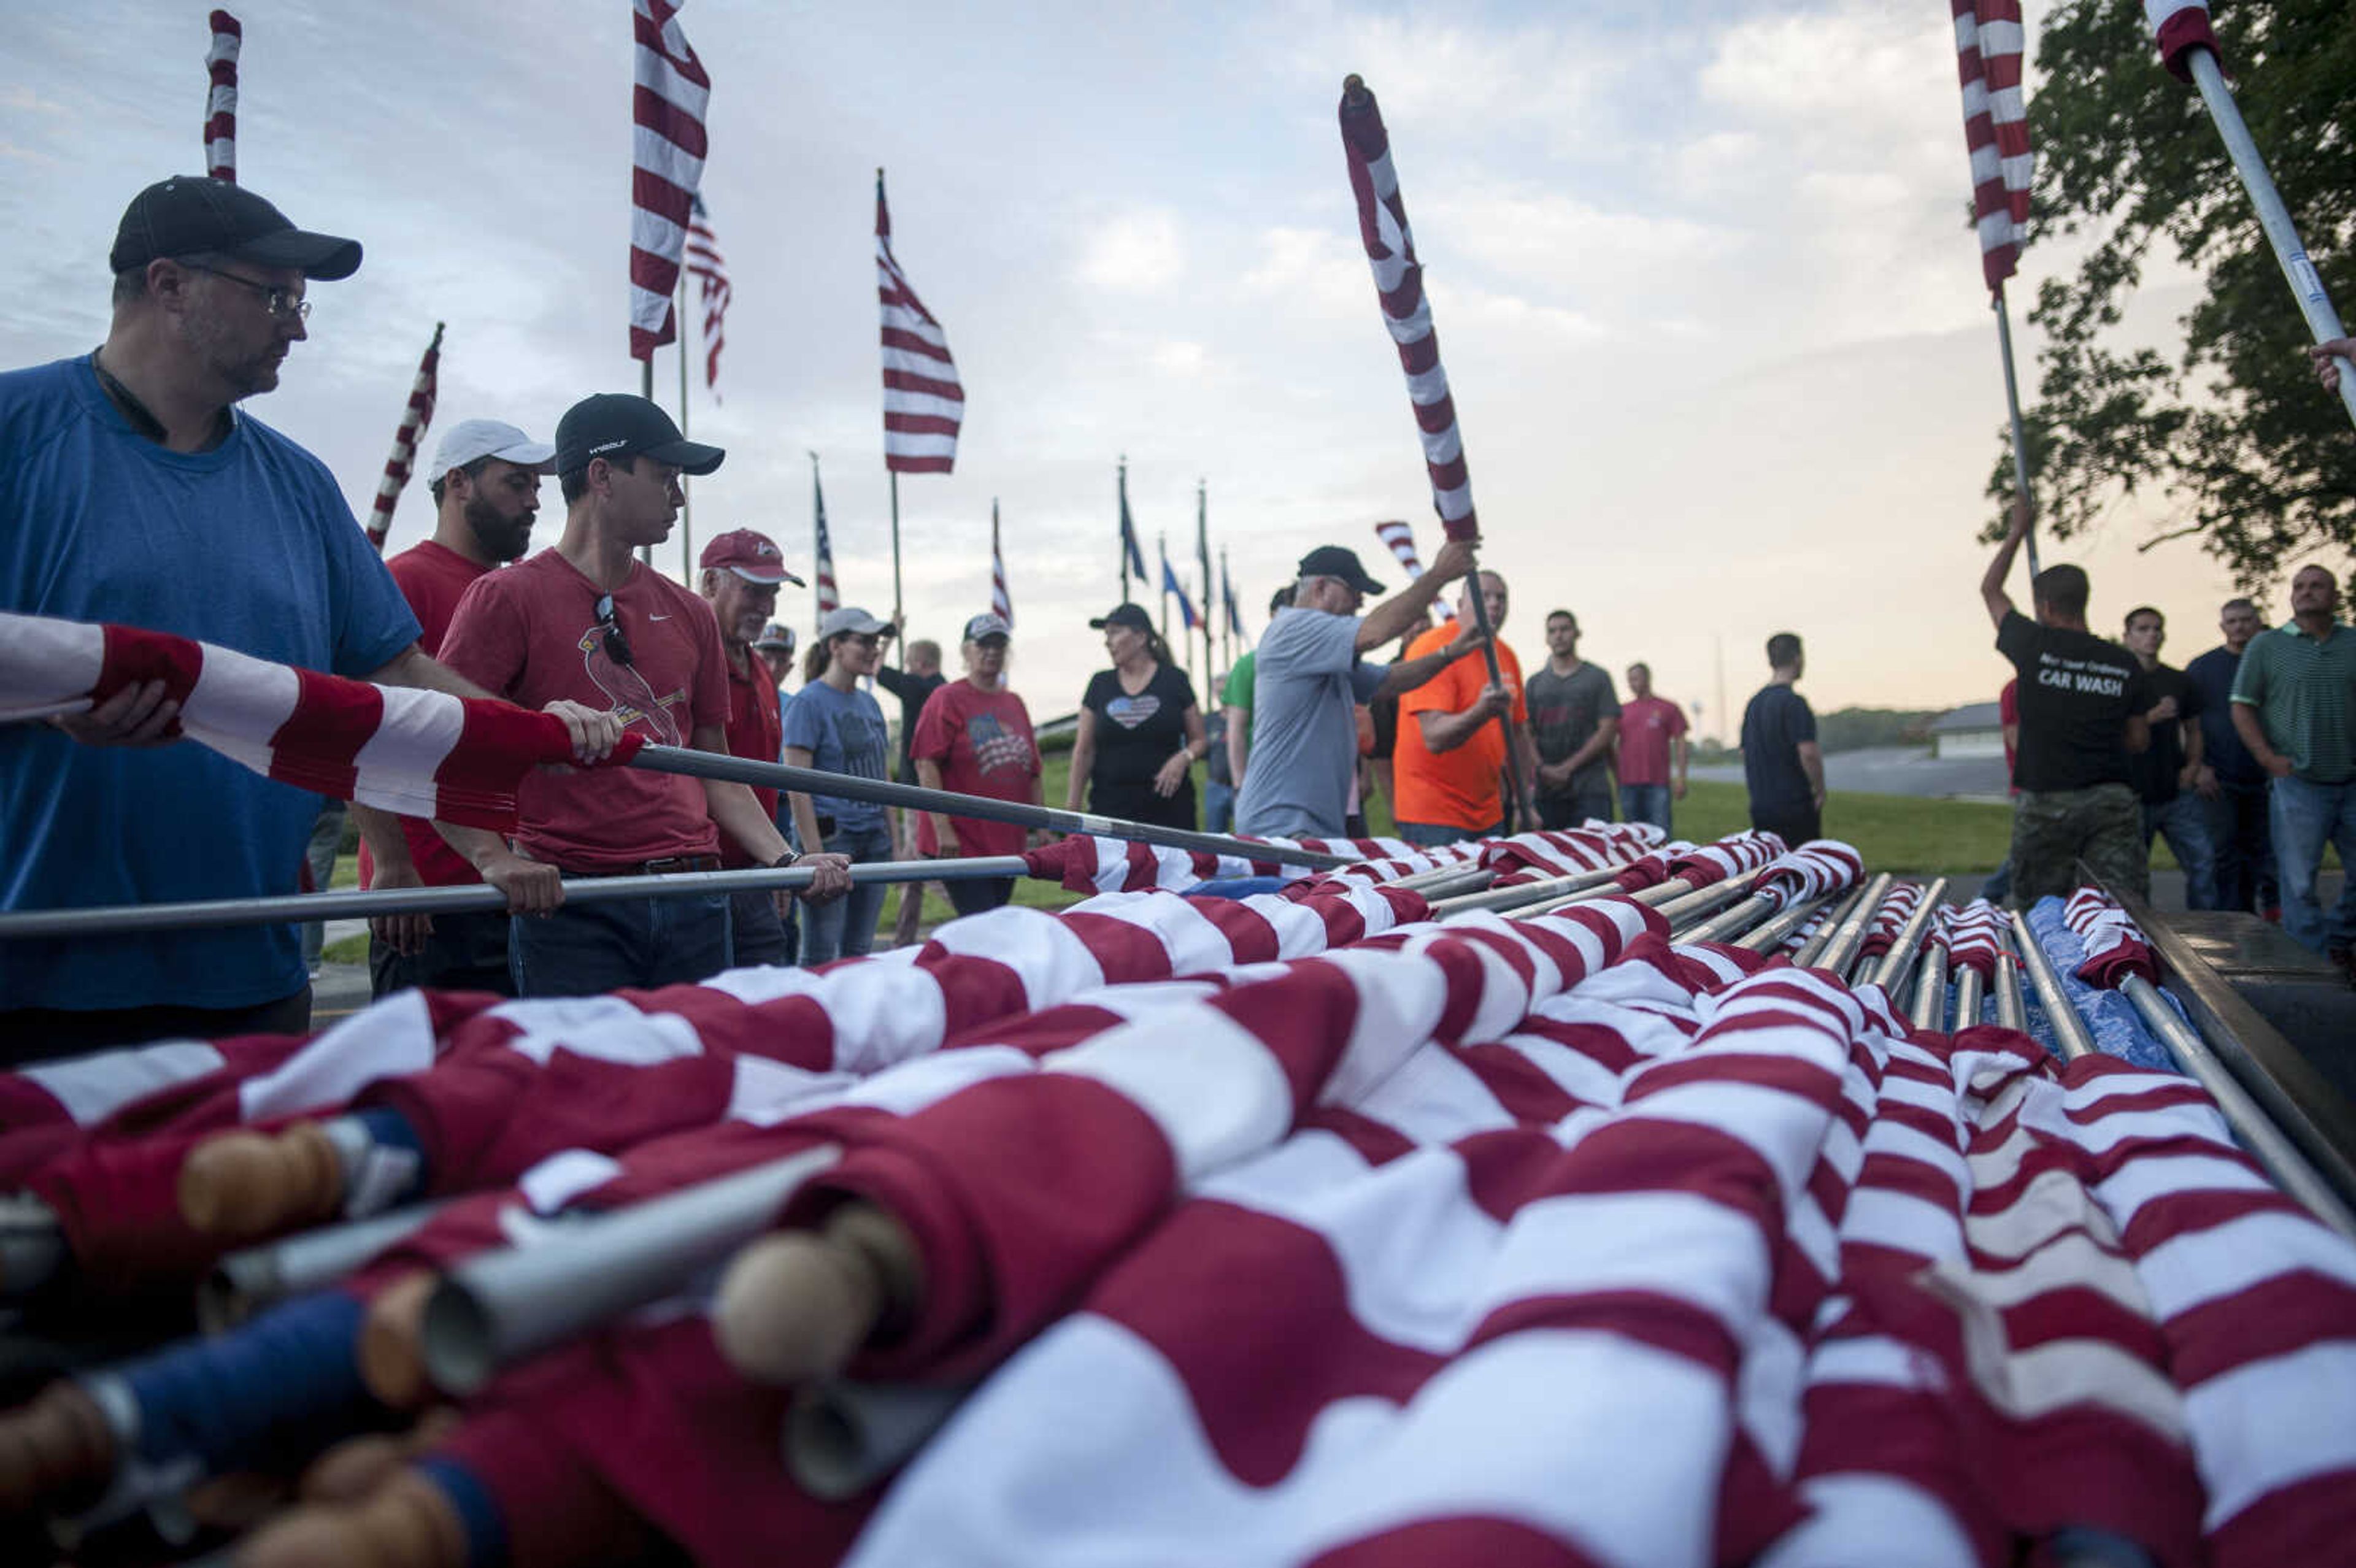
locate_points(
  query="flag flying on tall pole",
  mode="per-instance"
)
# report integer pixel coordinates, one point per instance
(2187, 47)
(667, 102)
(709, 269)
(1400, 540)
(1228, 593)
(405, 441)
(1002, 604)
(221, 99)
(822, 586)
(923, 403)
(1990, 43)
(1174, 588)
(1133, 555)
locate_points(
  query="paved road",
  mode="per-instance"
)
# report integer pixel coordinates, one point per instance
(1896, 770)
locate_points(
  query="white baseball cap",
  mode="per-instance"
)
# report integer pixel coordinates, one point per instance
(470, 439)
(852, 618)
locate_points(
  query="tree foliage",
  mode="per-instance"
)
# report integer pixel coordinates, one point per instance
(2256, 457)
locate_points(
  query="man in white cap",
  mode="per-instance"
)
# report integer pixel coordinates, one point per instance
(137, 490)
(740, 571)
(484, 479)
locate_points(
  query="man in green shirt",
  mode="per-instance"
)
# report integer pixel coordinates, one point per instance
(2295, 709)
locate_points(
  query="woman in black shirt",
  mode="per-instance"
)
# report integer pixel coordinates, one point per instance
(1140, 732)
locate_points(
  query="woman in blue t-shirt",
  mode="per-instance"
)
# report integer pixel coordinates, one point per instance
(831, 724)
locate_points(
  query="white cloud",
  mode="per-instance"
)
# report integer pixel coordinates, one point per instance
(1137, 252)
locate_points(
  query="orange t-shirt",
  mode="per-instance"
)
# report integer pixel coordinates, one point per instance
(1457, 788)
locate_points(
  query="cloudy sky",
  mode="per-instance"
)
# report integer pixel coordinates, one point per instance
(1715, 325)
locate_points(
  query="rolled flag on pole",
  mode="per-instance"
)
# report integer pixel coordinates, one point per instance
(923, 402)
(1228, 594)
(406, 440)
(823, 584)
(1132, 553)
(1989, 44)
(1002, 604)
(2189, 47)
(670, 95)
(1398, 537)
(1398, 280)
(221, 101)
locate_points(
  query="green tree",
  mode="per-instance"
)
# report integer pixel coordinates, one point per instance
(2256, 457)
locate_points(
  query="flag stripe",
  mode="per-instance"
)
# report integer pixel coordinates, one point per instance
(670, 97)
(923, 403)
(220, 97)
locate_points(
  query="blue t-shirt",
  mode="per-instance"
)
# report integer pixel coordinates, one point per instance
(2221, 745)
(249, 545)
(844, 732)
(1774, 724)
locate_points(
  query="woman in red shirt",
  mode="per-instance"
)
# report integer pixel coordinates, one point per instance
(974, 736)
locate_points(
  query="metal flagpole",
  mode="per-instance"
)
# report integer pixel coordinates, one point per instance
(1120, 544)
(897, 602)
(2322, 320)
(1203, 559)
(2012, 404)
(1162, 547)
(647, 390)
(686, 496)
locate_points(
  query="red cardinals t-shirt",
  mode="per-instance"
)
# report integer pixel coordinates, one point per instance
(983, 744)
(433, 577)
(755, 728)
(529, 633)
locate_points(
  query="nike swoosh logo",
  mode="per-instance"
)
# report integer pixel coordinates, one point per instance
(657, 617)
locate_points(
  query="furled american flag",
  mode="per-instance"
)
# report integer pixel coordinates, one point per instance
(221, 99)
(406, 438)
(1989, 44)
(2177, 26)
(923, 404)
(823, 590)
(1398, 281)
(1400, 540)
(413, 752)
(1227, 597)
(705, 264)
(668, 103)
(1002, 602)
(1132, 556)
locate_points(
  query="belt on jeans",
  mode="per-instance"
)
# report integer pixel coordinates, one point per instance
(661, 868)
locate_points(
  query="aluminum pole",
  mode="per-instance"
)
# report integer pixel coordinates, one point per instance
(1524, 893)
(702, 765)
(1969, 987)
(214, 914)
(2256, 1130)
(501, 1306)
(1687, 911)
(2322, 320)
(2069, 1029)
(1767, 937)
(1837, 954)
(2012, 406)
(1725, 925)
(1891, 969)
(1930, 1009)
(245, 1282)
(1809, 950)
(2012, 1008)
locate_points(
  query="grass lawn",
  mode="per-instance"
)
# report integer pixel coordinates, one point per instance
(1893, 833)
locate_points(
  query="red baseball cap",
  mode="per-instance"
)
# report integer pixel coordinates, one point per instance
(754, 557)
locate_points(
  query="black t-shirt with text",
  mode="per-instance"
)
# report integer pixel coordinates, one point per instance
(2077, 692)
(1773, 727)
(2154, 770)
(1135, 735)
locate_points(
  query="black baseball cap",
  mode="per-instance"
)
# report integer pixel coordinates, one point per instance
(189, 215)
(616, 425)
(1334, 561)
(1125, 615)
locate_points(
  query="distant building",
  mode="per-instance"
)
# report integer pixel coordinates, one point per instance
(1974, 729)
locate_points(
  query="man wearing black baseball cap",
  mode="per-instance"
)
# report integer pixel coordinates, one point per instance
(1310, 677)
(586, 620)
(135, 491)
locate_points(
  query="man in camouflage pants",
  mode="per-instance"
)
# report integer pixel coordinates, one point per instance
(2083, 703)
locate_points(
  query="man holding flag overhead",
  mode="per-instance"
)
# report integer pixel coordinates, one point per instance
(120, 459)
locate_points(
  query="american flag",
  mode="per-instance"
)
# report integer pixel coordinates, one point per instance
(1171, 585)
(1227, 597)
(1400, 540)
(221, 99)
(1002, 604)
(406, 440)
(2177, 26)
(410, 752)
(705, 264)
(1398, 283)
(1311, 1230)
(924, 405)
(1132, 553)
(1989, 43)
(666, 151)
(823, 584)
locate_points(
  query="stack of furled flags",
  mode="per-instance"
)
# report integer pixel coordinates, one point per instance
(2115, 949)
(1302, 1228)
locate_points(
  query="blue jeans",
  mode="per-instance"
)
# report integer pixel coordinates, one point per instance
(1645, 802)
(1427, 835)
(1999, 886)
(757, 933)
(2305, 817)
(2184, 823)
(2246, 850)
(1219, 808)
(583, 950)
(846, 927)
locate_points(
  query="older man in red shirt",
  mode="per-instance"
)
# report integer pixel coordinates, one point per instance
(740, 571)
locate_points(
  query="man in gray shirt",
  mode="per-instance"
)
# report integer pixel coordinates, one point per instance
(1309, 679)
(1574, 715)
